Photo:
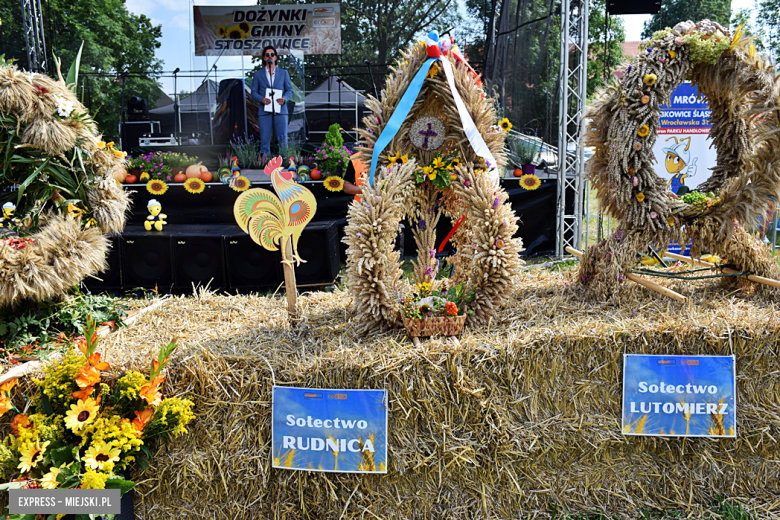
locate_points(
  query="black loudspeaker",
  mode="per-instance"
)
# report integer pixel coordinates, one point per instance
(633, 7)
(250, 265)
(199, 259)
(319, 246)
(111, 278)
(146, 260)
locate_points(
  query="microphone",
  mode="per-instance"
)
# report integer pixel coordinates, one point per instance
(367, 62)
(176, 71)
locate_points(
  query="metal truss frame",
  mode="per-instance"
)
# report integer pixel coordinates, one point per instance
(573, 79)
(33, 35)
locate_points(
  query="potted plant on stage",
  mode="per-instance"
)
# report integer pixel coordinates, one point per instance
(427, 312)
(527, 154)
(248, 153)
(332, 159)
(83, 433)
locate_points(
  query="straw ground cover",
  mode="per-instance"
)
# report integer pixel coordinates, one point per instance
(520, 421)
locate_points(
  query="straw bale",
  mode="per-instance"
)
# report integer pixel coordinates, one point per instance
(520, 420)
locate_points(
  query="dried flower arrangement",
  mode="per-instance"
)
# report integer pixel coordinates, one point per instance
(745, 101)
(484, 223)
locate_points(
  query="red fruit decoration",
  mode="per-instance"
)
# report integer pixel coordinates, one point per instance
(316, 174)
(179, 177)
(131, 179)
(518, 172)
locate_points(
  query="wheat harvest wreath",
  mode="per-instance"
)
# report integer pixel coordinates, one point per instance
(744, 97)
(434, 148)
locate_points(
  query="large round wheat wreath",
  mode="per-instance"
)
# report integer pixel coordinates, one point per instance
(744, 97)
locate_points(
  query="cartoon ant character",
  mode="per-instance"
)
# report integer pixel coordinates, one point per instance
(679, 163)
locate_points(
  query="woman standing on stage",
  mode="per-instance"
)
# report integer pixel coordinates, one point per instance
(272, 77)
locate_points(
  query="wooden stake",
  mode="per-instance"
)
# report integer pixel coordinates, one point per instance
(641, 281)
(289, 279)
(702, 263)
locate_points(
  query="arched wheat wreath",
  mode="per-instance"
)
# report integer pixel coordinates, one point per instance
(744, 97)
(487, 255)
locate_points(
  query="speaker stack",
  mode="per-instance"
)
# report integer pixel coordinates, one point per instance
(218, 256)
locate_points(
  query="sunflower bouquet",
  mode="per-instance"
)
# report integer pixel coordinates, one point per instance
(440, 171)
(81, 433)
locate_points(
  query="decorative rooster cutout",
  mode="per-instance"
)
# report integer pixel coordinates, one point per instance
(274, 222)
(235, 171)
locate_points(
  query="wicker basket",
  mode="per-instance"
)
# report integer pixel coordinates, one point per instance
(442, 326)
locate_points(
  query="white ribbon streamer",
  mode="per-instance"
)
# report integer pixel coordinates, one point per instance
(473, 135)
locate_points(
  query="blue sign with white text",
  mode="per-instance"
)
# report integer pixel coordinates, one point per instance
(330, 430)
(679, 396)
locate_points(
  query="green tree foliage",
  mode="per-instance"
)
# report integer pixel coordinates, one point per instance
(114, 40)
(674, 11)
(768, 20)
(598, 27)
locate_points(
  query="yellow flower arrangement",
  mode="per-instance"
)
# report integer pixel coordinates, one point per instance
(643, 131)
(82, 441)
(398, 159)
(432, 71)
(650, 79)
(438, 163)
(505, 125)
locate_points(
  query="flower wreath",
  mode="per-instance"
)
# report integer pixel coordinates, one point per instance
(745, 103)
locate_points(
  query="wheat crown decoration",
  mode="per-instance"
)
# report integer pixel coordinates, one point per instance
(57, 174)
(484, 223)
(744, 99)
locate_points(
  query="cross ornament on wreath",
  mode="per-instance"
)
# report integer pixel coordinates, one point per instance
(428, 133)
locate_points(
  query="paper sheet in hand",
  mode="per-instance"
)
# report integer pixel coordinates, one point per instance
(273, 94)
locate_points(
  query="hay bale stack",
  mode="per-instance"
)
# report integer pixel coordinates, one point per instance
(520, 421)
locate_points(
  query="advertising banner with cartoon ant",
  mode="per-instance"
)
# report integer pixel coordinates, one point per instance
(682, 148)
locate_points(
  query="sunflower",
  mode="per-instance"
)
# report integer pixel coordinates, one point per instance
(530, 181)
(454, 164)
(234, 33)
(643, 131)
(241, 183)
(98, 456)
(221, 32)
(31, 456)
(334, 183)
(156, 187)
(398, 159)
(194, 185)
(505, 125)
(49, 480)
(245, 28)
(81, 414)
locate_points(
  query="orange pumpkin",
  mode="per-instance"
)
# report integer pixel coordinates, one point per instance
(518, 172)
(120, 174)
(130, 179)
(316, 174)
(195, 170)
(206, 176)
(179, 177)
